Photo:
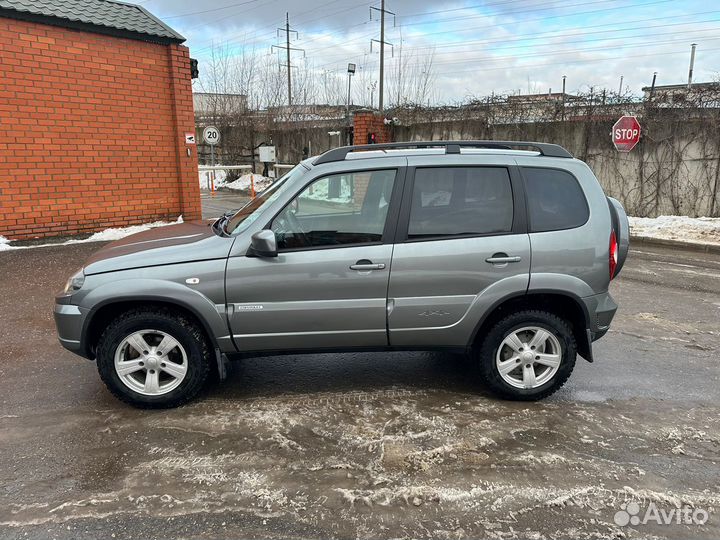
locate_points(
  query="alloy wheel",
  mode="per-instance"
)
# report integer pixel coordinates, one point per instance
(528, 357)
(151, 362)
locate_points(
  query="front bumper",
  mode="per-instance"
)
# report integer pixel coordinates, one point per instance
(601, 309)
(69, 321)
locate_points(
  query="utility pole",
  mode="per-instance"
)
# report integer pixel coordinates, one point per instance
(288, 48)
(620, 89)
(692, 64)
(350, 72)
(382, 11)
(382, 55)
(399, 78)
(652, 87)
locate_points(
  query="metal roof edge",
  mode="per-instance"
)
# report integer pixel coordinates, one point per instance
(90, 27)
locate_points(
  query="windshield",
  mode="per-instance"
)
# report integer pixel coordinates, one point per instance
(244, 217)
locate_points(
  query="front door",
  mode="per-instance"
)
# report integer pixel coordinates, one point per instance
(328, 286)
(461, 247)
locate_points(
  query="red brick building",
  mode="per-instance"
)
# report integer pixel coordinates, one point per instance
(95, 102)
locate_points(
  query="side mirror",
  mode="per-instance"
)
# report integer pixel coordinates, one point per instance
(263, 244)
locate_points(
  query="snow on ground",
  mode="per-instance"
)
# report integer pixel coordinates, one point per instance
(241, 184)
(701, 230)
(103, 236)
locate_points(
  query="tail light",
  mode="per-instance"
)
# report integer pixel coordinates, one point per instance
(613, 254)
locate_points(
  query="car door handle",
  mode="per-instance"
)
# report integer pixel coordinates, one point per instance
(365, 264)
(501, 258)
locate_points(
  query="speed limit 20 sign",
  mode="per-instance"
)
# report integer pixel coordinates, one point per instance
(211, 135)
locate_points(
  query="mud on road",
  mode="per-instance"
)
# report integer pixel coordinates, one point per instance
(402, 445)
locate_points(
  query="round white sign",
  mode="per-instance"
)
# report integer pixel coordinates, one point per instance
(211, 135)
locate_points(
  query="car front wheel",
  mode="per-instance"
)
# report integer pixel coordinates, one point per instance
(153, 358)
(528, 355)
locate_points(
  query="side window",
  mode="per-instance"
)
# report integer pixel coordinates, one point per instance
(460, 200)
(336, 210)
(555, 200)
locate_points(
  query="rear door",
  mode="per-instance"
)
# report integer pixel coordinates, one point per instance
(461, 246)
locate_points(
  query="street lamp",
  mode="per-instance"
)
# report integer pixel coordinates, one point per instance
(351, 72)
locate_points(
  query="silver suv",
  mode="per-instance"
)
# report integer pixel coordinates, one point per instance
(484, 247)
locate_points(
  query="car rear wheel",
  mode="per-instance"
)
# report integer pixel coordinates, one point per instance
(528, 355)
(153, 358)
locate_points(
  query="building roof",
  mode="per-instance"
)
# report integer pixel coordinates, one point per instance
(683, 86)
(100, 16)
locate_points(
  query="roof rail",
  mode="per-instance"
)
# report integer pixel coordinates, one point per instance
(451, 147)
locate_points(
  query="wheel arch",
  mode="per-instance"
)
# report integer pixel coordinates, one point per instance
(104, 312)
(561, 303)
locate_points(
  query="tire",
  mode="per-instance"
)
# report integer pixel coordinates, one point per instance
(178, 373)
(519, 384)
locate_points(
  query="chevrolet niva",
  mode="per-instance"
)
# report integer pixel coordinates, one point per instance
(502, 250)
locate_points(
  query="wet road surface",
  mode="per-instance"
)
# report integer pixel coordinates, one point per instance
(401, 445)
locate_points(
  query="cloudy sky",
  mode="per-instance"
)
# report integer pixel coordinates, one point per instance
(477, 47)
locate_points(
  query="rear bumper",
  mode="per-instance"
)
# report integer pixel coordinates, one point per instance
(601, 309)
(69, 321)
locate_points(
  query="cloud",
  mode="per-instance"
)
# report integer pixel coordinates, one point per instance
(477, 47)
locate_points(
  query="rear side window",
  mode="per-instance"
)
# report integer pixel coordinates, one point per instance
(457, 201)
(555, 200)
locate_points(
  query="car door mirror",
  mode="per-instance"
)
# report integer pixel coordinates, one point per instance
(263, 244)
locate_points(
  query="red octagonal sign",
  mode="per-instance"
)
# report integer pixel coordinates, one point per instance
(626, 133)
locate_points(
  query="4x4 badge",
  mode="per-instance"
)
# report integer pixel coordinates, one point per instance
(434, 313)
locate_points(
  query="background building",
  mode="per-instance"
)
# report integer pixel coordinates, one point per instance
(95, 104)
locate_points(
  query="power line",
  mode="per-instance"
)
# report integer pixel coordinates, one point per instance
(486, 59)
(299, 19)
(695, 35)
(524, 37)
(583, 61)
(525, 10)
(540, 35)
(210, 10)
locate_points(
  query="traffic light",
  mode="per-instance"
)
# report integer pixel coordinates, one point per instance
(372, 138)
(194, 72)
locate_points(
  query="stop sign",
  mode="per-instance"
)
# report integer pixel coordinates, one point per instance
(626, 133)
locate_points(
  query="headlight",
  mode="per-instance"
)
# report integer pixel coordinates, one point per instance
(75, 282)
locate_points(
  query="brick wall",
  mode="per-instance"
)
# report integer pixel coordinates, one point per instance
(365, 122)
(92, 132)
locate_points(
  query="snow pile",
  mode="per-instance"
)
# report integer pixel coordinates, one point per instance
(205, 176)
(319, 192)
(103, 236)
(109, 235)
(243, 183)
(702, 230)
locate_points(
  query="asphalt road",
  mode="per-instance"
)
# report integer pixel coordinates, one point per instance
(217, 203)
(402, 445)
